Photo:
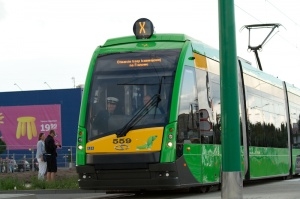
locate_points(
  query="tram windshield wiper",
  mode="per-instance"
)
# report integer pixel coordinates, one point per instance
(153, 102)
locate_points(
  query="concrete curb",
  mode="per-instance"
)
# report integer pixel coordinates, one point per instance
(50, 191)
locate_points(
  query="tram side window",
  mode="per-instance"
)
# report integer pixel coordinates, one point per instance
(215, 109)
(274, 116)
(96, 104)
(266, 114)
(188, 106)
(295, 118)
(256, 134)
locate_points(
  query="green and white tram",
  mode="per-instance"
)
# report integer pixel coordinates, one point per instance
(174, 140)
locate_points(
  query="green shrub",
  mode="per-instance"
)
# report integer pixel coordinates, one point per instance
(11, 184)
(61, 182)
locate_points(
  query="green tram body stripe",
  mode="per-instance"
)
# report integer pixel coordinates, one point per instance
(177, 84)
(167, 152)
(264, 162)
(81, 154)
(268, 161)
(206, 155)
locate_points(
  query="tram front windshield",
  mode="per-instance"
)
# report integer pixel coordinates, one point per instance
(130, 91)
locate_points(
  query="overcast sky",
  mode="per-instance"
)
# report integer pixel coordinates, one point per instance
(49, 43)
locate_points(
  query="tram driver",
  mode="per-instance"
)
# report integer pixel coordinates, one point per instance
(155, 110)
(100, 122)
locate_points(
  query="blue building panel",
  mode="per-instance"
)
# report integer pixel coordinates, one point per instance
(68, 99)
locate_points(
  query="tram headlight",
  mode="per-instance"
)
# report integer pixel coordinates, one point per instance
(170, 136)
(170, 144)
(79, 140)
(80, 147)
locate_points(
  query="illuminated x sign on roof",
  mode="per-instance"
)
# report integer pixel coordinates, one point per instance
(143, 28)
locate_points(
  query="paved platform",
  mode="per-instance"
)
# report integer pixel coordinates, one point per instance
(266, 189)
(18, 196)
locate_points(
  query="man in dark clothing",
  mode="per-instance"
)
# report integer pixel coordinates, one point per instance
(50, 147)
(100, 123)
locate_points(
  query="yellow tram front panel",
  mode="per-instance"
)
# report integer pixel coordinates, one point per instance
(141, 140)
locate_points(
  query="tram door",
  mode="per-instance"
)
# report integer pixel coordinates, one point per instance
(189, 137)
(199, 125)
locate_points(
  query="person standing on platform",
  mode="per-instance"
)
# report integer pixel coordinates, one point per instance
(50, 147)
(40, 150)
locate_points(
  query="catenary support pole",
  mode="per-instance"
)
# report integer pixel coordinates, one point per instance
(232, 183)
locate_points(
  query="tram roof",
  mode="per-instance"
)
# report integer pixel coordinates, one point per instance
(201, 48)
(198, 46)
(154, 37)
(255, 72)
(291, 88)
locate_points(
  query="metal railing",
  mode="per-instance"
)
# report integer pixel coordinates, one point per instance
(21, 160)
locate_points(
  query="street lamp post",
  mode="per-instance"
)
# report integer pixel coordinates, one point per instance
(71, 160)
(7, 149)
(66, 157)
(18, 86)
(24, 163)
(73, 78)
(32, 158)
(47, 85)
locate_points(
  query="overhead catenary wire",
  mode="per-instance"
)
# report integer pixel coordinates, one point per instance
(281, 12)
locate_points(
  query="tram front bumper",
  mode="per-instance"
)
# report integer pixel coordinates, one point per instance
(132, 179)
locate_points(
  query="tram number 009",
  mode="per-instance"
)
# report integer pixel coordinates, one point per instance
(122, 141)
